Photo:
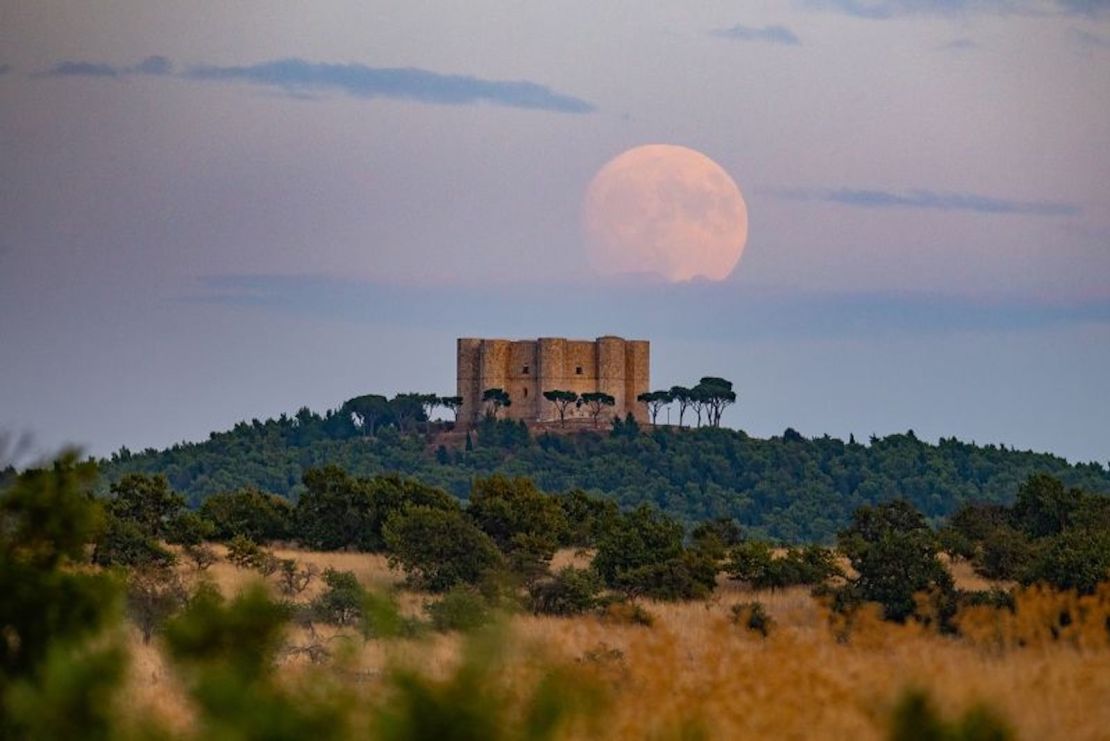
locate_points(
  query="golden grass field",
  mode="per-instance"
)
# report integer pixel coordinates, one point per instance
(696, 674)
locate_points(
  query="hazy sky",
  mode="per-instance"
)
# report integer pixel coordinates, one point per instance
(213, 211)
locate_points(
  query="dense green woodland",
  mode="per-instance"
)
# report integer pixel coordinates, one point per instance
(788, 487)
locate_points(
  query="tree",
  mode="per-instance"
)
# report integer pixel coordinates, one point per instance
(634, 539)
(1075, 559)
(561, 400)
(392, 494)
(894, 553)
(682, 396)
(453, 404)
(525, 523)
(494, 399)
(715, 394)
(429, 403)
(335, 511)
(655, 401)
(147, 501)
(408, 409)
(587, 517)
(250, 512)
(699, 400)
(1044, 506)
(596, 402)
(370, 412)
(439, 548)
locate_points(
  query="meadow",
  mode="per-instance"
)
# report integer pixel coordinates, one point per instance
(696, 673)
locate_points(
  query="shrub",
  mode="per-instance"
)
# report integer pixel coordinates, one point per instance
(570, 591)
(154, 594)
(915, 718)
(292, 578)
(246, 554)
(753, 616)
(626, 612)
(342, 602)
(461, 608)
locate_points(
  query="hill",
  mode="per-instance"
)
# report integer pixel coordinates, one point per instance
(785, 487)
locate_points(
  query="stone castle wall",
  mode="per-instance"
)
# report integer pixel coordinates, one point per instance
(527, 368)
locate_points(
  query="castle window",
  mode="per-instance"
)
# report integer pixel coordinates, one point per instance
(525, 370)
(526, 390)
(578, 370)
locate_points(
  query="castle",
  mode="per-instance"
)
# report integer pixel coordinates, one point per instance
(525, 369)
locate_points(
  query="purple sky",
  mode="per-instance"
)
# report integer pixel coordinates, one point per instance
(214, 211)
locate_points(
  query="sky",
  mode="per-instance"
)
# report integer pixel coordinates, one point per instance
(218, 211)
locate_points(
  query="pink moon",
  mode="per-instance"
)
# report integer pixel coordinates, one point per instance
(666, 210)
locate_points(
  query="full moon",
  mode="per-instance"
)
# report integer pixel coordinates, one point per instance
(667, 210)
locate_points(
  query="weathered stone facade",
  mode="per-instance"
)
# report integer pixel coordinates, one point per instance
(527, 368)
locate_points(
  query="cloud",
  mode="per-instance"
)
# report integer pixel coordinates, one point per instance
(150, 66)
(153, 66)
(297, 76)
(1090, 40)
(656, 310)
(5, 69)
(883, 9)
(82, 69)
(767, 34)
(302, 79)
(929, 199)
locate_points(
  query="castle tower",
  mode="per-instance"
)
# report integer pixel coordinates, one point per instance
(525, 369)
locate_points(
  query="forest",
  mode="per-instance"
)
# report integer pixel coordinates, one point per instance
(789, 488)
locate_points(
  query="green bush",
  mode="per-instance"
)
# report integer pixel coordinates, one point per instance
(753, 616)
(915, 718)
(461, 608)
(124, 543)
(570, 591)
(341, 603)
(246, 554)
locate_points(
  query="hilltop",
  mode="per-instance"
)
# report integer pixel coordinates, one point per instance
(786, 487)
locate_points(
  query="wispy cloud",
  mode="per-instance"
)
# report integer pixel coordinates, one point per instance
(150, 66)
(881, 9)
(358, 80)
(5, 69)
(928, 199)
(303, 79)
(676, 310)
(767, 34)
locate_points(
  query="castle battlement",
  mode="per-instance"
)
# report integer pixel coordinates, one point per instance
(527, 368)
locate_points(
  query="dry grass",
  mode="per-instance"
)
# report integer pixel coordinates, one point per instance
(695, 669)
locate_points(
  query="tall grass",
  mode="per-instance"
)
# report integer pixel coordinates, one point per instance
(1044, 668)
